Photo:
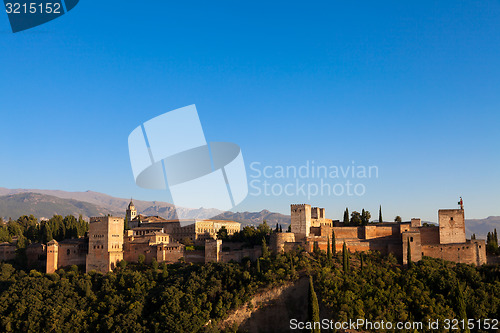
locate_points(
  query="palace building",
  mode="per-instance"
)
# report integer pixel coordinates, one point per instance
(309, 227)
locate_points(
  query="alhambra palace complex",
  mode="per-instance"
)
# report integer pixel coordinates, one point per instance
(157, 238)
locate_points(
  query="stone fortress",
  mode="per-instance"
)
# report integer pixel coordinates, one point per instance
(151, 236)
(163, 240)
(446, 241)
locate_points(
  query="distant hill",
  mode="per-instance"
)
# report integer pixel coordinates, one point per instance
(117, 206)
(45, 203)
(481, 227)
(45, 206)
(255, 218)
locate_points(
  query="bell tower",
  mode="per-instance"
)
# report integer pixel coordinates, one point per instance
(131, 211)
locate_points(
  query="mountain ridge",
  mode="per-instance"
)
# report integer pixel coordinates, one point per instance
(89, 203)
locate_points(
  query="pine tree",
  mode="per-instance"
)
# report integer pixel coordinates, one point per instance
(313, 307)
(408, 254)
(346, 217)
(345, 258)
(380, 214)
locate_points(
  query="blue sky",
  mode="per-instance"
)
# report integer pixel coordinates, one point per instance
(413, 89)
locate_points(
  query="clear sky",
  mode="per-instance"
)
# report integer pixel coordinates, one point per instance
(412, 88)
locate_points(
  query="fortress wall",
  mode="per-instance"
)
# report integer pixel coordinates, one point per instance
(279, 239)
(469, 253)
(429, 235)
(71, 254)
(451, 226)
(132, 251)
(194, 256)
(347, 232)
(301, 220)
(411, 240)
(293, 246)
(374, 231)
(238, 255)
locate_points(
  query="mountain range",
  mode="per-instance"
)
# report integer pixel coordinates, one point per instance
(46, 203)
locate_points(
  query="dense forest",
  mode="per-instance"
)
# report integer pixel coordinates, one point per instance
(187, 297)
(193, 298)
(135, 297)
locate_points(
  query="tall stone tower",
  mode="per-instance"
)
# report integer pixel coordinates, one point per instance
(301, 220)
(451, 226)
(131, 211)
(105, 243)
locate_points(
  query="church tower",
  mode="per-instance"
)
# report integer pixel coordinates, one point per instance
(131, 211)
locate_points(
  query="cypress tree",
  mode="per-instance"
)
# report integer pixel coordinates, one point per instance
(265, 249)
(313, 307)
(380, 214)
(334, 249)
(328, 252)
(461, 309)
(277, 228)
(281, 230)
(345, 258)
(346, 217)
(258, 266)
(361, 261)
(408, 254)
(495, 237)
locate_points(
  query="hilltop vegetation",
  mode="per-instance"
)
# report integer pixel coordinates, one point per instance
(194, 298)
(135, 298)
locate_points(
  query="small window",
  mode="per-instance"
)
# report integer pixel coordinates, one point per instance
(411, 239)
(451, 218)
(68, 252)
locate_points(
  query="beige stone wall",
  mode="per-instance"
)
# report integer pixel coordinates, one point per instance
(52, 256)
(374, 231)
(7, 251)
(416, 223)
(105, 243)
(213, 250)
(471, 252)
(72, 252)
(348, 232)
(278, 240)
(429, 235)
(412, 240)
(451, 226)
(301, 220)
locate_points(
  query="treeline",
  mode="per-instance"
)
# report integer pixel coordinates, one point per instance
(492, 243)
(27, 229)
(136, 297)
(376, 288)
